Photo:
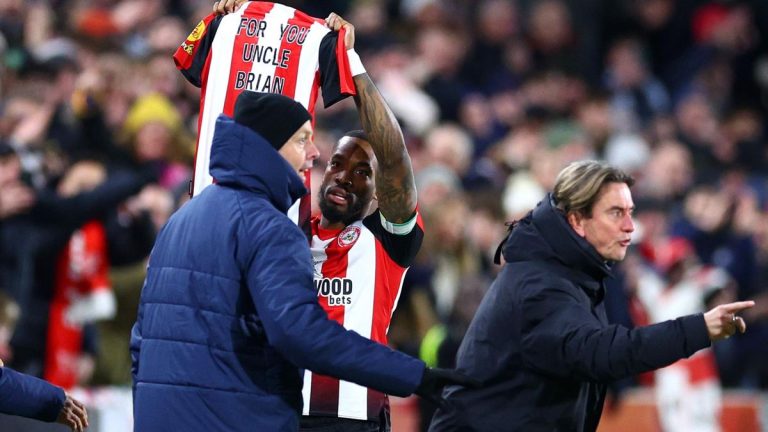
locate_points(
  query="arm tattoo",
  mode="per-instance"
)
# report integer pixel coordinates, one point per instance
(395, 186)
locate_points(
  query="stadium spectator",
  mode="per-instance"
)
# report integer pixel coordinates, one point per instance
(32, 240)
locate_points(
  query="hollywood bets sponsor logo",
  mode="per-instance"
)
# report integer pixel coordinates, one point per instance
(338, 291)
(349, 236)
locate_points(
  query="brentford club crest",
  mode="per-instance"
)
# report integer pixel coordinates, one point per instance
(349, 236)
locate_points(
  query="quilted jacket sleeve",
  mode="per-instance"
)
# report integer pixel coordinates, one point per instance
(279, 277)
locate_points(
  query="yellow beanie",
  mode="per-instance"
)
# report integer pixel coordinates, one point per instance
(152, 107)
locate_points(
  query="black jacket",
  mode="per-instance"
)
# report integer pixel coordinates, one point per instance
(541, 344)
(30, 244)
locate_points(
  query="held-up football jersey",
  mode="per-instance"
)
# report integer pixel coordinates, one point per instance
(262, 47)
(359, 273)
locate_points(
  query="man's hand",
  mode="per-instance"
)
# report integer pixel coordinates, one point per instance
(73, 415)
(434, 379)
(722, 321)
(336, 23)
(223, 7)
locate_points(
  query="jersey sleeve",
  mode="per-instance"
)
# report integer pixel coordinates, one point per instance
(191, 56)
(400, 241)
(335, 75)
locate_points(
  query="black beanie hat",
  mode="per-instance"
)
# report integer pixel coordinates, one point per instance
(275, 117)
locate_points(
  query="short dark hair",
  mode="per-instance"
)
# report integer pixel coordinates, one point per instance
(357, 133)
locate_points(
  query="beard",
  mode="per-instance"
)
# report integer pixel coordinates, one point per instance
(332, 213)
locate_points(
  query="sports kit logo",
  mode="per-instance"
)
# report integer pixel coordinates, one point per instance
(189, 45)
(197, 33)
(349, 236)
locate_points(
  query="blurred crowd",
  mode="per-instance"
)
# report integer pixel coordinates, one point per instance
(97, 138)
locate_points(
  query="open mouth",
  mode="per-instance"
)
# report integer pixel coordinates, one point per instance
(337, 196)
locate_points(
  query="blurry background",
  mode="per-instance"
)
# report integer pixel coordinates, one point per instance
(97, 132)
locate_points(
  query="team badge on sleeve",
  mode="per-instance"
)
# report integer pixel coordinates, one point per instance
(197, 33)
(189, 45)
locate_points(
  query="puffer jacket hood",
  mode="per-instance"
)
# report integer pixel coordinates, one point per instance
(241, 158)
(544, 234)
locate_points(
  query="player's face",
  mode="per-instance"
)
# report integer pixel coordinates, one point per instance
(610, 227)
(300, 150)
(348, 182)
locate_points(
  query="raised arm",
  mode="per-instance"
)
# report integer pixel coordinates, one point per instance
(395, 186)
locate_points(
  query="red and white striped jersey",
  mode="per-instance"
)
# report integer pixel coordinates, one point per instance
(359, 273)
(82, 277)
(263, 47)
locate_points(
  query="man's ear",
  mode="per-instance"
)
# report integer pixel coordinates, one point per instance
(576, 220)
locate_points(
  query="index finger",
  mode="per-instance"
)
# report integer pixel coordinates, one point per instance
(78, 403)
(76, 407)
(75, 423)
(738, 306)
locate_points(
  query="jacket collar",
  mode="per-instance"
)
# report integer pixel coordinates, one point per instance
(241, 158)
(546, 234)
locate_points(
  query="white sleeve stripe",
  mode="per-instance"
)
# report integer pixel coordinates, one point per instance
(276, 18)
(401, 228)
(308, 64)
(306, 391)
(220, 66)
